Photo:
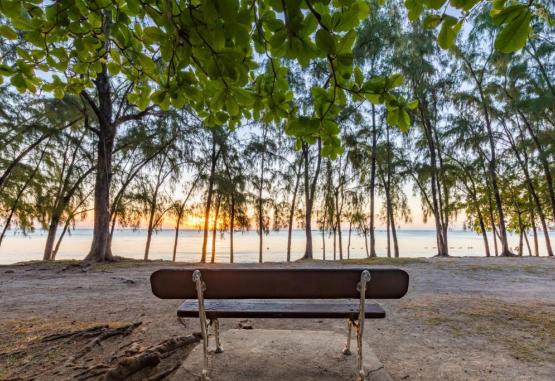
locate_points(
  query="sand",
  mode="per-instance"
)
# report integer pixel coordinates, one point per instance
(462, 319)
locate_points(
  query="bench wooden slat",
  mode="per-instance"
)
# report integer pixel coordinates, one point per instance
(294, 309)
(327, 282)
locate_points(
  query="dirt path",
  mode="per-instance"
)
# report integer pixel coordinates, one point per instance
(463, 319)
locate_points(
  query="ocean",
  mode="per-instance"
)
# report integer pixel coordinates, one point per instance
(130, 243)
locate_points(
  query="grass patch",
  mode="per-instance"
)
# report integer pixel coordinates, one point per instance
(385, 261)
(527, 332)
(460, 265)
(22, 348)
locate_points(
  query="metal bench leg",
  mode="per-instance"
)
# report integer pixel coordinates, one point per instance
(200, 286)
(364, 279)
(347, 349)
(219, 348)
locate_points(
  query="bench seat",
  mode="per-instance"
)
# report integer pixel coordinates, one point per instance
(280, 308)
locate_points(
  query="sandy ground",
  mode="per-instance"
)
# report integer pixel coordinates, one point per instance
(462, 319)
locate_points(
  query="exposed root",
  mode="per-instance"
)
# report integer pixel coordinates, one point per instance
(150, 358)
(93, 331)
(162, 375)
(104, 334)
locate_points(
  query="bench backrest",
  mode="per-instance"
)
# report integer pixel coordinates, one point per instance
(280, 283)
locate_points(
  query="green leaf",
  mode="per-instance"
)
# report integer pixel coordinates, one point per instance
(514, 35)
(434, 4)
(325, 41)
(448, 33)
(359, 77)
(7, 32)
(415, 9)
(395, 80)
(412, 104)
(505, 15)
(432, 21)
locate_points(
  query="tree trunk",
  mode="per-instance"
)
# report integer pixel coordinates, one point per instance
(534, 229)
(180, 216)
(215, 229)
(373, 183)
(394, 234)
(60, 238)
(349, 240)
(523, 161)
(334, 229)
(492, 167)
(100, 248)
(150, 228)
(338, 224)
(388, 224)
(292, 211)
(214, 160)
(324, 236)
(231, 228)
(51, 237)
(493, 229)
(177, 225)
(441, 246)
(310, 191)
(542, 157)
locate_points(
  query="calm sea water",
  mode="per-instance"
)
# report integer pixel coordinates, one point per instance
(131, 243)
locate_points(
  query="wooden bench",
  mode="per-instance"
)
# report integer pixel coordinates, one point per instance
(280, 292)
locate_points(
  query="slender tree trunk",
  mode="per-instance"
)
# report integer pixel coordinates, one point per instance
(231, 228)
(484, 235)
(389, 203)
(334, 229)
(388, 224)
(394, 234)
(338, 224)
(441, 247)
(150, 227)
(324, 237)
(366, 243)
(310, 191)
(51, 237)
(60, 238)
(523, 161)
(493, 229)
(373, 184)
(349, 240)
(177, 225)
(527, 243)
(180, 216)
(215, 229)
(520, 242)
(505, 250)
(292, 211)
(534, 229)
(209, 199)
(542, 157)
(260, 215)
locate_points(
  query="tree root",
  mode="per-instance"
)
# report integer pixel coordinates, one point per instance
(150, 358)
(104, 334)
(93, 331)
